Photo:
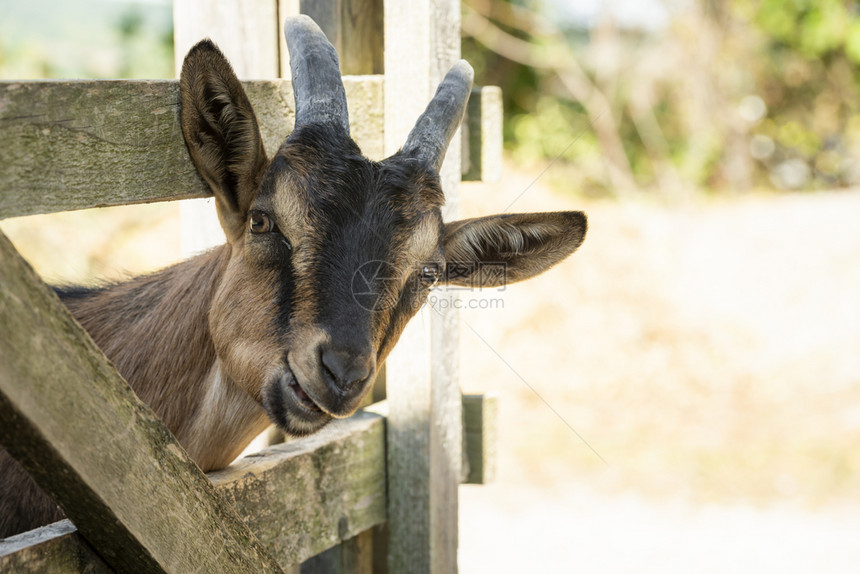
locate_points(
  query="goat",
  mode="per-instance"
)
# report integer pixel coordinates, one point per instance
(278, 325)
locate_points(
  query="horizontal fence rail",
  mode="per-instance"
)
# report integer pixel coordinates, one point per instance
(81, 144)
(305, 496)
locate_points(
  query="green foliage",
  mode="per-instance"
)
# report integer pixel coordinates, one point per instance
(806, 69)
(85, 39)
(540, 123)
(814, 28)
(730, 96)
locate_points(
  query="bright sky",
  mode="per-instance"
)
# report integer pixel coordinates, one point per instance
(628, 13)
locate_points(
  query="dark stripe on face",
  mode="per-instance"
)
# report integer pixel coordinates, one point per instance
(356, 216)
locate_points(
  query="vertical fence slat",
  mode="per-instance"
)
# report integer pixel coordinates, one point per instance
(354, 27)
(247, 32)
(353, 556)
(361, 37)
(422, 39)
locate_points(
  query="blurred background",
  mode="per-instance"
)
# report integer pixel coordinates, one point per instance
(683, 394)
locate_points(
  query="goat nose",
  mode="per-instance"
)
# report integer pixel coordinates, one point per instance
(345, 368)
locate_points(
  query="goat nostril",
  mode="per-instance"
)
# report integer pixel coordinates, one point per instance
(328, 372)
(345, 369)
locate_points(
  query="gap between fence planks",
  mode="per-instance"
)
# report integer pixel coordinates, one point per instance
(85, 437)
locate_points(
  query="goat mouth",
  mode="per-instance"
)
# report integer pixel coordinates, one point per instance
(290, 407)
(301, 397)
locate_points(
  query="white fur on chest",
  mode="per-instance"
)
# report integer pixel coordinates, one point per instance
(225, 422)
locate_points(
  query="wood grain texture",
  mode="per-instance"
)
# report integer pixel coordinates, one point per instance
(422, 40)
(303, 497)
(351, 454)
(299, 499)
(108, 461)
(362, 37)
(54, 549)
(482, 135)
(247, 32)
(78, 144)
(480, 429)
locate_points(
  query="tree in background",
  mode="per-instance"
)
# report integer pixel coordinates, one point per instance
(727, 96)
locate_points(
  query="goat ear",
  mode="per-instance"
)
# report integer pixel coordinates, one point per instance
(499, 249)
(221, 133)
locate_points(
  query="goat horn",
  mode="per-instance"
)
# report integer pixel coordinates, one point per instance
(317, 85)
(433, 131)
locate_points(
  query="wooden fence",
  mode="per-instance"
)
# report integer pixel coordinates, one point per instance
(373, 493)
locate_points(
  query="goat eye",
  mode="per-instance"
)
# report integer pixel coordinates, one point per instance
(259, 222)
(430, 275)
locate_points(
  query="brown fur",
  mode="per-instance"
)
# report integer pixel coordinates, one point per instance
(165, 310)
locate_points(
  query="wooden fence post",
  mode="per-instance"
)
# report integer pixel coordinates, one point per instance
(422, 40)
(354, 27)
(247, 31)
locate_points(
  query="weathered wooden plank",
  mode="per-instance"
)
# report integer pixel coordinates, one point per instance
(304, 496)
(480, 435)
(362, 37)
(353, 556)
(422, 41)
(482, 135)
(78, 144)
(356, 463)
(299, 499)
(480, 427)
(85, 437)
(54, 549)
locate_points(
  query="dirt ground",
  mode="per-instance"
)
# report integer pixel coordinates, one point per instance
(682, 395)
(708, 353)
